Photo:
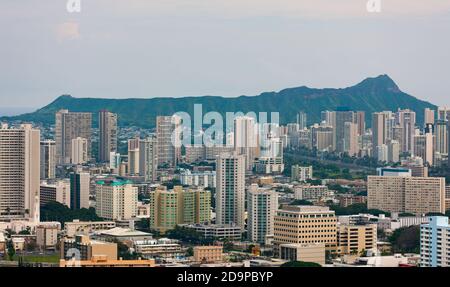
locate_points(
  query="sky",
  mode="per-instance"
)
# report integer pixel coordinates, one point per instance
(174, 48)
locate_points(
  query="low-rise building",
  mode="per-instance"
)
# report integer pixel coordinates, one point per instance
(214, 231)
(86, 227)
(103, 261)
(47, 236)
(83, 248)
(208, 254)
(307, 252)
(158, 248)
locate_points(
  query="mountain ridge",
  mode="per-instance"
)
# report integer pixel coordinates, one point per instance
(370, 95)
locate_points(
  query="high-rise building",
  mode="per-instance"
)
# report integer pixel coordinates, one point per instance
(379, 134)
(133, 156)
(434, 243)
(343, 116)
(304, 225)
(168, 133)
(443, 113)
(48, 159)
(246, 139)
(322, 137)
(79, 190)
(393, 151)
(302, 120)
(382, 153)
(19, 172)
(116, 200)
(262, 206)
(79, 151)
(406, 119)
(418, 195)
(148, 158)
(69, 126)
(442, 137)
(424, 147)
(351, 139)
(168, 208)
(429, 116)
(361, 122)
(107, 122)
(230, 189)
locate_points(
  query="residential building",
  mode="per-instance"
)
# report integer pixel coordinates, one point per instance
(262, 204)
(69, 126)
(58, 191)
(148, 158)
(107, 135)
(19, 172)
(434, 242)
(116, 199)
(230, 190)
(168, 134)
(48, 159)
(79, 151)
(357, 239)
(418, 195)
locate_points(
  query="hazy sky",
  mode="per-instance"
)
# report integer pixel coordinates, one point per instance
(161, 48)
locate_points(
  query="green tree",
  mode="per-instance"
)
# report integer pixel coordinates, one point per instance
(406, 240)
(11, 251)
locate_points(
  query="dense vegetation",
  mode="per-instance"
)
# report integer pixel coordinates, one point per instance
(371, 95)
(356, 209)
(300, 264)
(406, 240)
(55, 211)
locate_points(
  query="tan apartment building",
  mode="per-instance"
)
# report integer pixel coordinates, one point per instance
(418, 195)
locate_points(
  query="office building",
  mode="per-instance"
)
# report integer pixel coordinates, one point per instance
(305, 225)
(19, 172)
(69, 126)
(356, 239)
(208, 254)
(219, 232)
(107, 135)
